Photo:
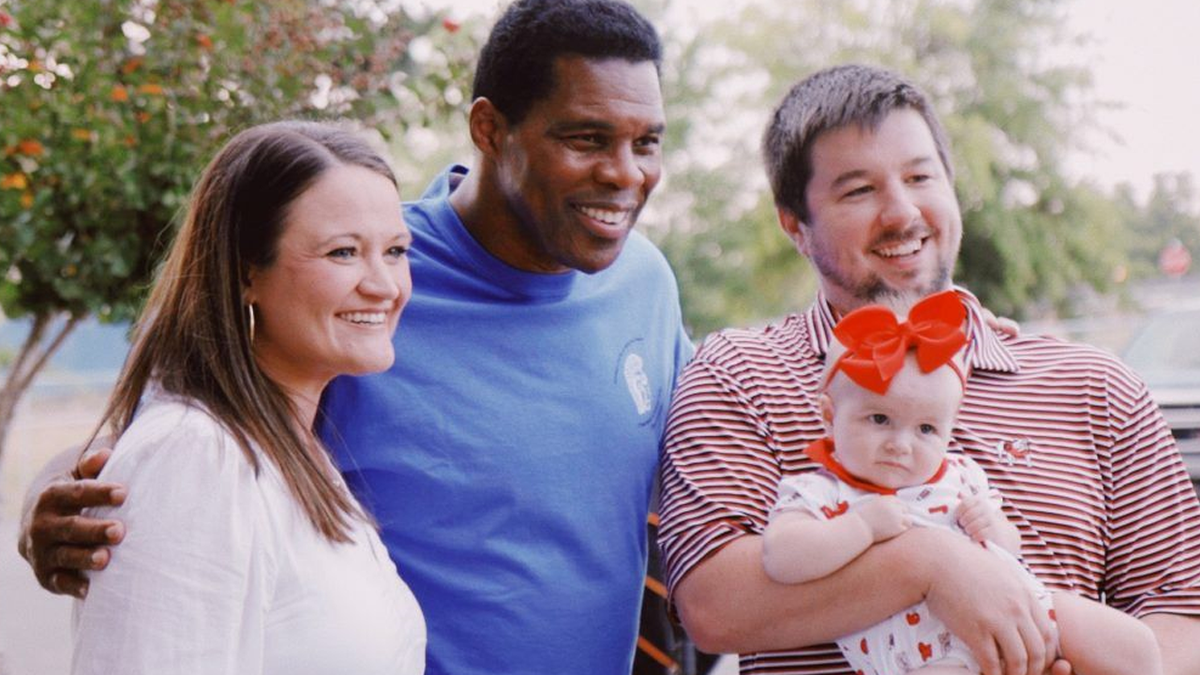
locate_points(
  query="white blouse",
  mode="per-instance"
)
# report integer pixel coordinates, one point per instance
(221, 571)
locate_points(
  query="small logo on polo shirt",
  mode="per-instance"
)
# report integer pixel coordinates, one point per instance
(1016, 450)
(638, 383)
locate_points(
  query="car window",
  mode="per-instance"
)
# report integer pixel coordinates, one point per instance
(1167, 342)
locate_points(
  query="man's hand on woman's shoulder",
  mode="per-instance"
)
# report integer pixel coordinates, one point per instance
(60, 544)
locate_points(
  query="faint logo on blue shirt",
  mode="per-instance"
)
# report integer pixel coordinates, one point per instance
(638, 383)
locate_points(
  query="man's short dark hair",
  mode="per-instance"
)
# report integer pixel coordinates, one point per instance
(516, 65)
(828, 100)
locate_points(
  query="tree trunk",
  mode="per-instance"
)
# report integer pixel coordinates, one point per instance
(40, 344)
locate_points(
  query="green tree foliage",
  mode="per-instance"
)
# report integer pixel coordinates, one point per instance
(109, 108)
(1012, 114)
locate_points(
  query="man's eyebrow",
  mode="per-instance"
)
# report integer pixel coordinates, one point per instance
(842, 179)
(856, 174)
(918, 161)
(573, 126)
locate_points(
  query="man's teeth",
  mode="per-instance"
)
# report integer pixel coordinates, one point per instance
(603, 215)
(370, 318)
(903, 248)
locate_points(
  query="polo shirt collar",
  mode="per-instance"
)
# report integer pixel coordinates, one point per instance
(985, 351)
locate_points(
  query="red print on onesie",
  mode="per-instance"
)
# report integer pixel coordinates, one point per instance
(838, 510)
(926, 650)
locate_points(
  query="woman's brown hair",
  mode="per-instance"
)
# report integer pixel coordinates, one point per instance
(193, 338)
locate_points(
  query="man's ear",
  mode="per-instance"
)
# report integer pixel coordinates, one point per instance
(487, 126)
(827, 414)
(793, 228)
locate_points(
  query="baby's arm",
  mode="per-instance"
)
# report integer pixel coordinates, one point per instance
(982, 521)
(798, 547)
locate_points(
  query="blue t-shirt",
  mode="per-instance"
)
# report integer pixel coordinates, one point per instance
(509, 454)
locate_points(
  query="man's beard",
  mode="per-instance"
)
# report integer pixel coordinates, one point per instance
(873, 290)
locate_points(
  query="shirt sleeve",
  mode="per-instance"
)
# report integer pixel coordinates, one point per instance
(186, 591)
(684, 350)
(719, 474)
(1154, 516)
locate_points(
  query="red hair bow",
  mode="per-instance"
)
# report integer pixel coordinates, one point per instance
(876, 344)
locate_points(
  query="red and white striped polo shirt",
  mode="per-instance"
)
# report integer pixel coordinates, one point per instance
(1087, 467)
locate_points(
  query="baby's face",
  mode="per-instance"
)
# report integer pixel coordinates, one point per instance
(897, 439)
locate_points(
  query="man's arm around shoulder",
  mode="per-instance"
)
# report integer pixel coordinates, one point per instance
(55, 539)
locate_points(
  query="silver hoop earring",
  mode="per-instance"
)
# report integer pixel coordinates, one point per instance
(250, 314)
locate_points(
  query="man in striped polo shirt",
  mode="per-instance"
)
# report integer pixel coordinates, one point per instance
(863, 183)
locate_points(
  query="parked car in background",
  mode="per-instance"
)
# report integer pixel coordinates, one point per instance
(1166, 353)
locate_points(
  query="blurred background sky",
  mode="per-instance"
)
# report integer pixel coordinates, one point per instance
(1146, 56)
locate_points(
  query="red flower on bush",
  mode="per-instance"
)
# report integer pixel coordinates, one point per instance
(31, 148)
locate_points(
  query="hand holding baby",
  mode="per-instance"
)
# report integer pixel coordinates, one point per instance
(885, 516)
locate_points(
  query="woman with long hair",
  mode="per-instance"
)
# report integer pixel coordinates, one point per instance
(245, 552)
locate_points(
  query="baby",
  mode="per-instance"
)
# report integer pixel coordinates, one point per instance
(890, 400)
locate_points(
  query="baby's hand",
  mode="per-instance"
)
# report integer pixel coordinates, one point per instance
(885, 516)
(978, 518)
